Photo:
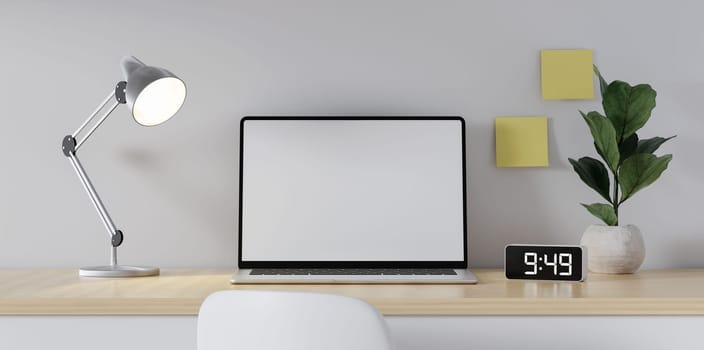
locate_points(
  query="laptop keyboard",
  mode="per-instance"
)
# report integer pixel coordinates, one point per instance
(330, 272)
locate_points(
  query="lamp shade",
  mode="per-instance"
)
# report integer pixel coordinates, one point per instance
(153, 94)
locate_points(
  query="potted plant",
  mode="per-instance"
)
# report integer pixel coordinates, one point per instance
(630, 162)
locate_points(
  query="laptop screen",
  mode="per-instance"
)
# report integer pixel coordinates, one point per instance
(352, 192)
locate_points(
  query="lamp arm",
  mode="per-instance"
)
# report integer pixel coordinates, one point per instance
(119, 95)
(70, 147)
(116, 236)
(100, 107)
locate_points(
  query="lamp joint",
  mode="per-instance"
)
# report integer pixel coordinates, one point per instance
(117, 238)
(68, 145)
(120, 91)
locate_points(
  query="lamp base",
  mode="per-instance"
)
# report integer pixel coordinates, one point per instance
(118, 271)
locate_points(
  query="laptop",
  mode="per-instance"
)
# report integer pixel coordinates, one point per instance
(352, 200)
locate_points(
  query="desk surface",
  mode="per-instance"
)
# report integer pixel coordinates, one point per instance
(180, 292)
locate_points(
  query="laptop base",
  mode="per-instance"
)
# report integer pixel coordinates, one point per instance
(462, 276)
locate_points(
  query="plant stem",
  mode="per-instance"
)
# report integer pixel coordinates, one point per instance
(615, 202)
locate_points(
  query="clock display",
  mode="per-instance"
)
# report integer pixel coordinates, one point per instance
(542, 262)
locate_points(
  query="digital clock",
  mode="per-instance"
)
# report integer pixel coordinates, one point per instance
(545, 262)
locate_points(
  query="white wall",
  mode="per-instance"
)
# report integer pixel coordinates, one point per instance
(172, 189)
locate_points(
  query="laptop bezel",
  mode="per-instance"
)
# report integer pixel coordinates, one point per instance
(353, 264)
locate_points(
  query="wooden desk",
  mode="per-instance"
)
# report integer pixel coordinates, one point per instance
(180, 292)
(419, 316)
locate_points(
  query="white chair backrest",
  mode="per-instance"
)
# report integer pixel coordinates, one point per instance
(268, 320)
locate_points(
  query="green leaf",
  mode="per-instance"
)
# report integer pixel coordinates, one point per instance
(598, 151)
(628, 108)
(605, 212)
(602, 83)
(651, 145)
(639, 171)
(604, 138)
(628, 147)
(594, 174)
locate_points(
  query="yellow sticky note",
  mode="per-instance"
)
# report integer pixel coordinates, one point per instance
(521, 141)
(567, 74)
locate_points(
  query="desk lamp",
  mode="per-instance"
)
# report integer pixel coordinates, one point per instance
(153, 95)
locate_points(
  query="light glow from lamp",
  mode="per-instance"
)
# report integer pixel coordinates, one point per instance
(159, 101)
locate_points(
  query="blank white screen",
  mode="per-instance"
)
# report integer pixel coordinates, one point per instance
(352, 190)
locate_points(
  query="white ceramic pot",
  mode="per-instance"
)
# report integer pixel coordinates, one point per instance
(614, 249)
